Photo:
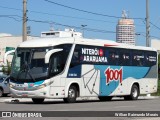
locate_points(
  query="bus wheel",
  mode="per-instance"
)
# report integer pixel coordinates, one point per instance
(134, 93)
(38, 100)
(72, 95)
(105, 98)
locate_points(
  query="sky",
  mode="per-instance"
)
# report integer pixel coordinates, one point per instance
(100, 16)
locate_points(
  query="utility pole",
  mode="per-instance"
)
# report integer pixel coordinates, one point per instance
(147, 25)
(147, 29)
(24, 20)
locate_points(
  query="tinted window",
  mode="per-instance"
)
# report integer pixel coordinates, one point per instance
(58, 60)
(56, 63)
(150, 58)
(75, 57)
(138, 58)
(85, 54)
(124, 57)
(113, 57)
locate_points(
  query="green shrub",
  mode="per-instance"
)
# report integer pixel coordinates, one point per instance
(6, 69)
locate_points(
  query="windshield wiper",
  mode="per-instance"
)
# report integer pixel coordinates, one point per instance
(28, 71)
(22, 70)
(26, 68)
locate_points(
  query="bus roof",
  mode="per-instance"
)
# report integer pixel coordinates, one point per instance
(46, 42)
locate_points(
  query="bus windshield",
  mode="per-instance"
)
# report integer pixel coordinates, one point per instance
(29, 64)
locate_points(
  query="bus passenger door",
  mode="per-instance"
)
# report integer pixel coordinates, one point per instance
(90, 80)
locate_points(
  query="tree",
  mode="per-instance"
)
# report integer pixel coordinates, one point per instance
(6, 69)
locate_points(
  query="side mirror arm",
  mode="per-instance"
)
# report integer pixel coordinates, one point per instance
(49, 53)
(6, 54)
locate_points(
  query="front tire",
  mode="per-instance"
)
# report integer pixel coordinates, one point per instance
(38, 100)
(72, 95)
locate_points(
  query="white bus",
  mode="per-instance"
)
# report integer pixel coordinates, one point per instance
(67, 68)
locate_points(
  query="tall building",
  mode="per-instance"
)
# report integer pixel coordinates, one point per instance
(125, 30)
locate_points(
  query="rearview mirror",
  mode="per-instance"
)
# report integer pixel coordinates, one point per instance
(49, 53)
(6, 54)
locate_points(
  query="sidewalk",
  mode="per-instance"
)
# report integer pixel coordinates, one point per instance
(9, 99)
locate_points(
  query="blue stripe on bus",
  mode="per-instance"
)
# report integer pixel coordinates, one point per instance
(127, 71)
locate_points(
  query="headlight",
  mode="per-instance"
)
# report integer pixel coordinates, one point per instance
(10, 85)
(44, 85)
(41, 86)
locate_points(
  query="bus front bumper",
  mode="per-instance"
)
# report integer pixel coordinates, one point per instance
(40, 93)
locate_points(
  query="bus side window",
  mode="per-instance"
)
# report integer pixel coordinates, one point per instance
(58, 60)
(56, 64)
(150, 58)
(75, 59)
(53, 67)
(113, 57)
(138, 58)
(124, 58)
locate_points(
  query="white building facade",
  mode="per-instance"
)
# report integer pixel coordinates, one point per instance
(9, 42)
(155, 43)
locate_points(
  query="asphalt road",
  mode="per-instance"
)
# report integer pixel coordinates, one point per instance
(143, 104)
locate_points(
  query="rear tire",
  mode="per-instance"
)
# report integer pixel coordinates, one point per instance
(72, 95)
(38, 100)
(134, 93)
